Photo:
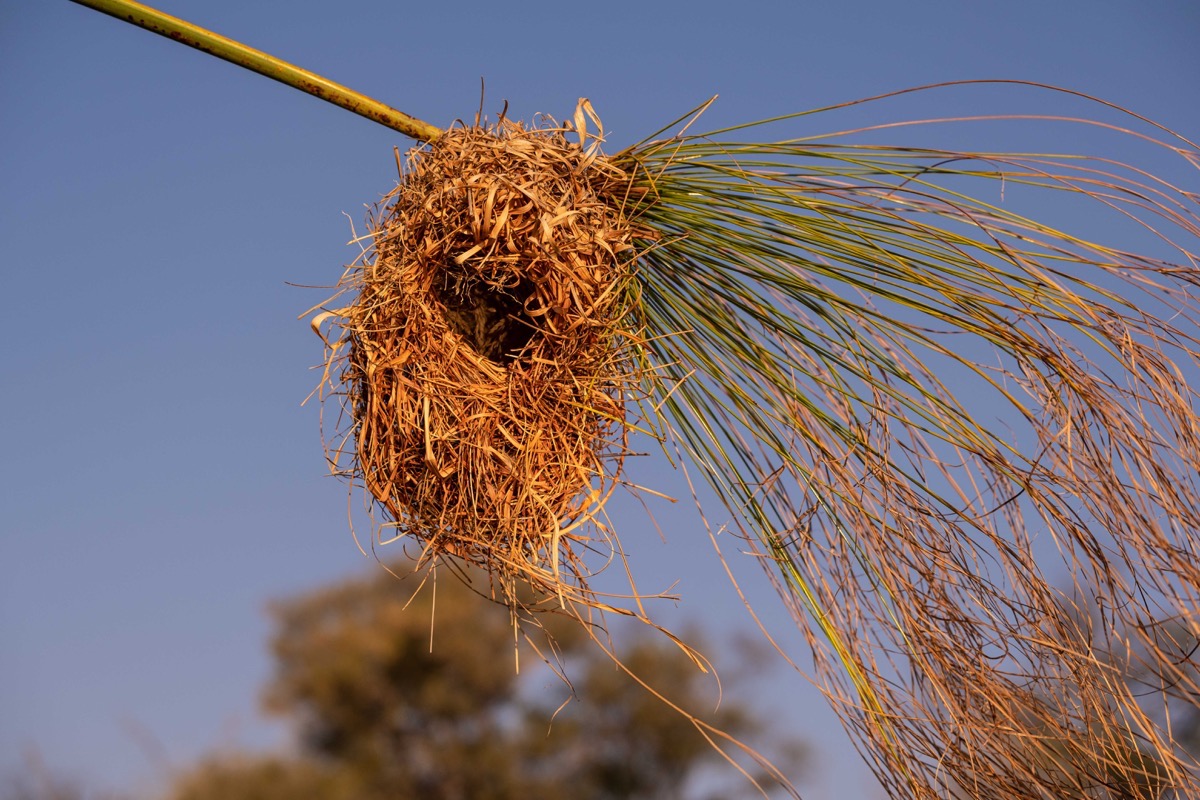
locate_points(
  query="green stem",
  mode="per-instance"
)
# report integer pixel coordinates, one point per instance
(264, 64)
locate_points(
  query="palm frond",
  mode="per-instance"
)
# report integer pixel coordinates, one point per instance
(942, 421)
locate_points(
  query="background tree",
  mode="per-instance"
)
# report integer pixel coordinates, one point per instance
(386, 707)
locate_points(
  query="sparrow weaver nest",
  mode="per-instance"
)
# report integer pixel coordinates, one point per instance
(486, 355)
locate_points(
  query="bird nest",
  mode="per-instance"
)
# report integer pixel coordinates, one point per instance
(483, 362)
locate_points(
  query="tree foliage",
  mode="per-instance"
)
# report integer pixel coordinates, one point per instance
(384, 706)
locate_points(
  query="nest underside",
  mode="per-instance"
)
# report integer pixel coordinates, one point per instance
(485, 360)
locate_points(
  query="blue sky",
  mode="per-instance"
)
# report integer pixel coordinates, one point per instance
(163, 480)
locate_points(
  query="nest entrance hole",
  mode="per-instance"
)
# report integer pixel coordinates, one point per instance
(492, 319)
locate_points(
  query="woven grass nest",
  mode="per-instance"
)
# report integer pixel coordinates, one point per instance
(484, 360)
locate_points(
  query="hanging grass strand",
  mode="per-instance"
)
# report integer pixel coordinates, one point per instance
(851, 320)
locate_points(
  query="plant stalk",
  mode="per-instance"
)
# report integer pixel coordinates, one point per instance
(264, 64)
